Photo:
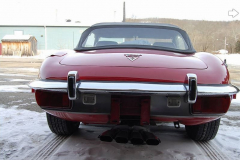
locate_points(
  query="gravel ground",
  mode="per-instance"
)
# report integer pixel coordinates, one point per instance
(18, 72)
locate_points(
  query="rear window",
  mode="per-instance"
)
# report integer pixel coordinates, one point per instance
(157, 37)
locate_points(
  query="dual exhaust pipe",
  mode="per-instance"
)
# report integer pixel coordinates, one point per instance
(137, 135)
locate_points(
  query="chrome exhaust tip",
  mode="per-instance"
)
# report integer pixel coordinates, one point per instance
(122, 136)
(150, 138)
(136, 138)
(107, 136)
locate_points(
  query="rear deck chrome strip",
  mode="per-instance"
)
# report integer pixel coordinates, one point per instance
(135, 87)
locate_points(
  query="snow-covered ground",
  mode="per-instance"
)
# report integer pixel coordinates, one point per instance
(21, 131)
(232, 59)
(14, 88)
(24, 132)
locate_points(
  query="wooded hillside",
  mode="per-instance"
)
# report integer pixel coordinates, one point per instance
(207, 36)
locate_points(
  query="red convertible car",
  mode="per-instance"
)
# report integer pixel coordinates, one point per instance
(134, 75)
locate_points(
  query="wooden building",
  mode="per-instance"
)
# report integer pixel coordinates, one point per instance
(19, 45)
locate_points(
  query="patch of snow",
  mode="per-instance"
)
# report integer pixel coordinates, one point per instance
(14, 107)
(22, 131)
(232, 59)
(222, 51)
(22, 75)
(14, 88)
(233, 114)
(19, 80)
(228, 138)
(236, 102)
(24, 104)
(15, 102)
(28, 69)
(2, 105)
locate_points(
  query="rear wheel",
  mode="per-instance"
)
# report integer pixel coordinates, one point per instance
(61, 126)
(203, 132)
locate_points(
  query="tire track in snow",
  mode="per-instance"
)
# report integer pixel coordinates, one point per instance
(47, 149)
(212, 151)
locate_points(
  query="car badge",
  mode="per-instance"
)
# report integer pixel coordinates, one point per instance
(132, 57)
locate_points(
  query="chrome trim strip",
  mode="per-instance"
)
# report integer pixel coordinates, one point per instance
(131, 87)
(217, 90)
(88, 113)
(135, 87)
(48, 85)
(190, 116)
(161, 116)
(75, 75)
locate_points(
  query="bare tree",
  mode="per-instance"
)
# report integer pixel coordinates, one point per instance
(207, 36)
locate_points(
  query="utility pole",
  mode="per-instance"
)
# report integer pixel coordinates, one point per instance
(124, 12)
(45, 32)
(225, 47)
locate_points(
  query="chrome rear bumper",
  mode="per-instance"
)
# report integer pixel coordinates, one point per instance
(135, 87)
(191, 88)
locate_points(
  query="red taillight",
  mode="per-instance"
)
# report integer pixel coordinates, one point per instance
(211, 105)
(234, 96)
(33, 91)
(48, 99)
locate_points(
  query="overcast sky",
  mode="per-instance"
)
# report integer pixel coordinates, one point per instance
(93, 11)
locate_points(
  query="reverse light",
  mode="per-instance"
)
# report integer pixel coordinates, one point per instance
(211, 105)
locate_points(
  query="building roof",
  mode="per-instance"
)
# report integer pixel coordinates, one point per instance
(14, 38)
(47, 25)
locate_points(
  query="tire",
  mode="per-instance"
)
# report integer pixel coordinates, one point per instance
(60, 126)
(203, 132)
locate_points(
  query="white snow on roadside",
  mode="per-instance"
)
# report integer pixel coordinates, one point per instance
(12, 102)
(8, 74)
(236, 101)
(14, 88)
(28, 69)
(22, 131)
(232, 59)
(19, 80)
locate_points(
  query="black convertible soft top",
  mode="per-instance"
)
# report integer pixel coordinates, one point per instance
(137, 25)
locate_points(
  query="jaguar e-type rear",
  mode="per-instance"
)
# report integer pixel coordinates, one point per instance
(134, 75)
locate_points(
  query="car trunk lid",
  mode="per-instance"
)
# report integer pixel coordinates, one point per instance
(140, 59)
